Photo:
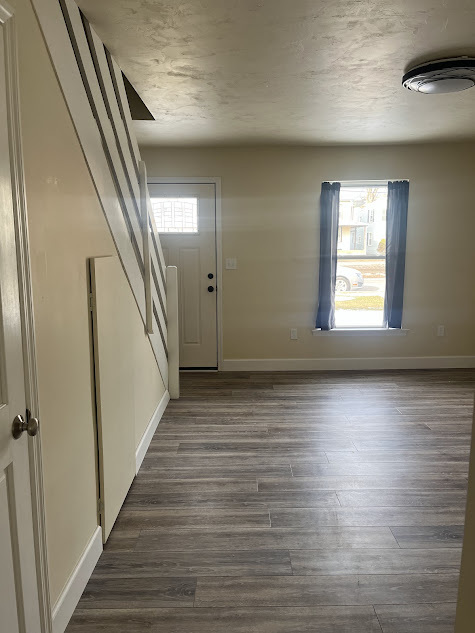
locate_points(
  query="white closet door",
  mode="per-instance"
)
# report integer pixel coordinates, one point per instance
(112, 303)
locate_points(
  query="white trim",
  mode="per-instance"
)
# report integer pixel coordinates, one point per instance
(26, 303)
(69, 598)
(216, 181)
(183, 180)
(219, 269)
(150, 430)
(64, 61)
(6, 11)
(144, 212)
(173, 333)
(60, 47)
(330, 364)
(361, 331)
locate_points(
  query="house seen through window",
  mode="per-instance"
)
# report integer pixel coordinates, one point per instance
(361, 264)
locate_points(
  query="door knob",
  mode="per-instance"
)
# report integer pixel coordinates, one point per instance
(19, 425)
(210, 288)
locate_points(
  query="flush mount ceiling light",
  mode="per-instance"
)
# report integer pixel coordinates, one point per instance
(441, 76)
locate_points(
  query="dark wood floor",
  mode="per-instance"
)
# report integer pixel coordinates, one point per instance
(293, 503)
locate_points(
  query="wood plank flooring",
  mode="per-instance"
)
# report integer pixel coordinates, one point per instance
(293, 503)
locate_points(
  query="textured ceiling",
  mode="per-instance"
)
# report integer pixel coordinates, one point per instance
(288, 71)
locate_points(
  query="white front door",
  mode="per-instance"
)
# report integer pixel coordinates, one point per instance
(19, 611)
(185, 215)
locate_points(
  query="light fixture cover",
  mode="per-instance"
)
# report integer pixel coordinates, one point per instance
(441, 76)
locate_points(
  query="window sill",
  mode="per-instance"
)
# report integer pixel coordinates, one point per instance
(362, 331)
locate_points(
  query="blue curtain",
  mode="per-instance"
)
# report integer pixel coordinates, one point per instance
(398, 198)
(329, 213)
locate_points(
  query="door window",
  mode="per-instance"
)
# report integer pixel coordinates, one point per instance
(175, 215)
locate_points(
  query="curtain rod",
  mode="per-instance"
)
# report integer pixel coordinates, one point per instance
(367, 182)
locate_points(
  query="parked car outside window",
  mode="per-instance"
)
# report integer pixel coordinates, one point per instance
(348, 279)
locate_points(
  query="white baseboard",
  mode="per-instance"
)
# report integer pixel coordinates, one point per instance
(150, 430)
(328, 364)
(67, 601)
(69, 598)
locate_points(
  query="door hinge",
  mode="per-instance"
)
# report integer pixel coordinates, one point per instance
(91, 301)
(100, 507)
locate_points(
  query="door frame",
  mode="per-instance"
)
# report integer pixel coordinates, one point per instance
(216, 181)
(7, 18)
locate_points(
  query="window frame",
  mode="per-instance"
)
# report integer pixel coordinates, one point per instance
(368, 329)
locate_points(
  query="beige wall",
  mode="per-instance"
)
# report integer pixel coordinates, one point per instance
(67, 226)
(270, 199)
(270, 219)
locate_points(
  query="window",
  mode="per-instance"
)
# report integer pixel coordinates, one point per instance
(175, 215)
(361, 256)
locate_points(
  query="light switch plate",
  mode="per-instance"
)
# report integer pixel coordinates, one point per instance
(231, 263)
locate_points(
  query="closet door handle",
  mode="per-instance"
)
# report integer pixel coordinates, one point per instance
(20, 425)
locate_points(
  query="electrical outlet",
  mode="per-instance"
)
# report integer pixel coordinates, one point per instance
(441, 330)
(231, 263)
(293, 334)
